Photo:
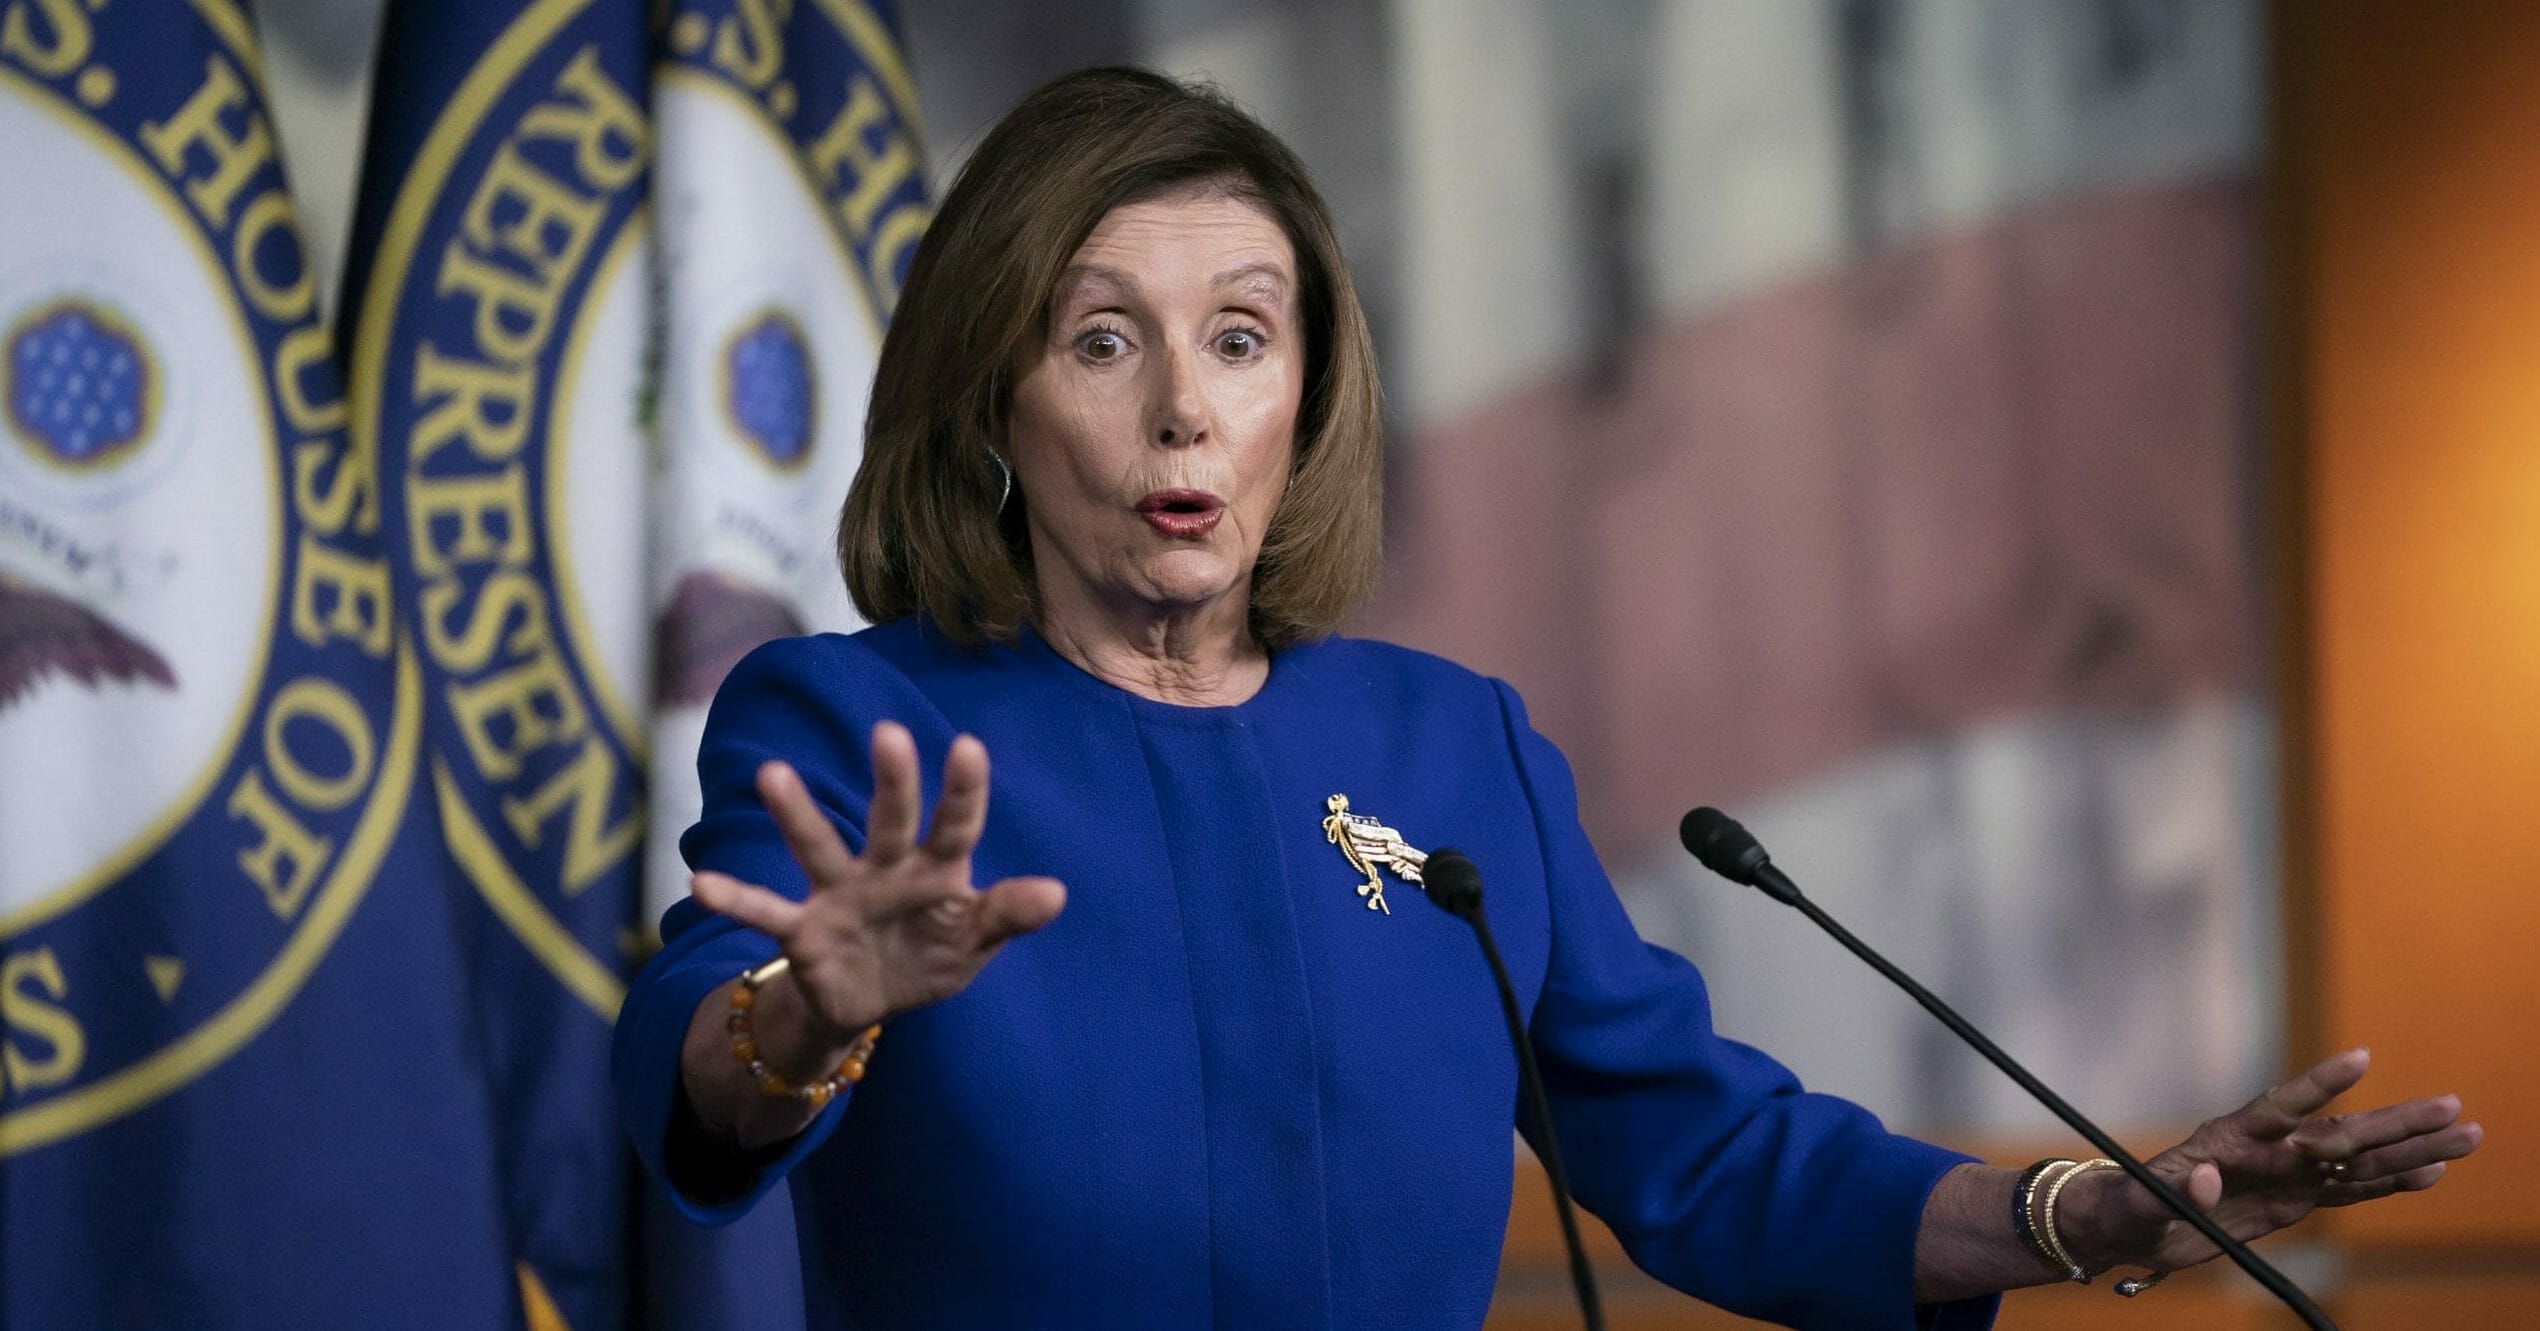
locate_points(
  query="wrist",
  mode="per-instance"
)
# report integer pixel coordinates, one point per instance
(2089, 1220)
(792, 1034)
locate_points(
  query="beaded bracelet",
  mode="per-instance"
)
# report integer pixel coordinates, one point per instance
(817, 1094)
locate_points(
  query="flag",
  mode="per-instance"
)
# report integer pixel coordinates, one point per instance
(790, 191)
(237, 1083)
(498, 284)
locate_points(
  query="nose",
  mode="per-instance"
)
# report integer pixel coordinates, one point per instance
(1181, 409)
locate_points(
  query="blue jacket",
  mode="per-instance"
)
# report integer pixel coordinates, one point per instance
(1221, 1089)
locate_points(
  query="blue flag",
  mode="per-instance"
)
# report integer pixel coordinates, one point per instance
(790, 193)
(238, 1086)
(499, 344)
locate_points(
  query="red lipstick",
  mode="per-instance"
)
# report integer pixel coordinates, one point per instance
(1182, 514)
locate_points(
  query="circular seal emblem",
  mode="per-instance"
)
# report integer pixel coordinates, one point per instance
(768, 349)
(501, 369)
(206, 739)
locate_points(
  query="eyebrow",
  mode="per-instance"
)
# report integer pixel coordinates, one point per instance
(1261, 274)
(1087, 274)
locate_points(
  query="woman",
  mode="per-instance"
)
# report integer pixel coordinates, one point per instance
(1121, 480)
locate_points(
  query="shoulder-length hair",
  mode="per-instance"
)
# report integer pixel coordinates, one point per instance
(922, 531)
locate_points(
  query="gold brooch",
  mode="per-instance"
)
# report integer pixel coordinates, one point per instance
(1369, 845)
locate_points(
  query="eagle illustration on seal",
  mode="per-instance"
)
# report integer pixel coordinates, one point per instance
(42, 632)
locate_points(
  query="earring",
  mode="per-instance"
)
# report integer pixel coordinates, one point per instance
(1005, 478)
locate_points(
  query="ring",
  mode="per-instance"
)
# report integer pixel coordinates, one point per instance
(2336, 1171)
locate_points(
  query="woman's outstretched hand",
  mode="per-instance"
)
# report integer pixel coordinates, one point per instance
(899, 926)
(894, 928)
(2268, 1165)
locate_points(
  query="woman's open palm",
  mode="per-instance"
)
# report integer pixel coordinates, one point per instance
(2278, 1158)
(900, 925)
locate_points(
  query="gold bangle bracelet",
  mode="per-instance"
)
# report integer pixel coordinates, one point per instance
(2050, 1176)
(2053, 1236)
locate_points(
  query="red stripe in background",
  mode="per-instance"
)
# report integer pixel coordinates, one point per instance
(1973, 475)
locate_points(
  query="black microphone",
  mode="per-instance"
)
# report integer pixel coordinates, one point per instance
(1729, 850)
(1450, 880)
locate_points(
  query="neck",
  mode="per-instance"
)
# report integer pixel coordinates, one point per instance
(1191, 656)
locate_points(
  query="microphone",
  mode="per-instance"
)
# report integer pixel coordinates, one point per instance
(1450, 880)
(1729, 850)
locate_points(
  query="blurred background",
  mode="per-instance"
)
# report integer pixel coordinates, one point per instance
(2063, 471)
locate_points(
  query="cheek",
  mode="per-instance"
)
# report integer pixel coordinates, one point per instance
(1258, 409)
(1063, 434)
(1270, 442)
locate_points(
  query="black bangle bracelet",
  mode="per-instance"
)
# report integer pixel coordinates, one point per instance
(2023, 1202)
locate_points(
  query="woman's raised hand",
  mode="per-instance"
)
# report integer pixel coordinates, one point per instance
(900, 925)
(2274, 1161)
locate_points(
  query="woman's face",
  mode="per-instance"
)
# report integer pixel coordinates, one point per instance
(1152, 427)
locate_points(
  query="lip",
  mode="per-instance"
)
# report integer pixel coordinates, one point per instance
(1182, 514)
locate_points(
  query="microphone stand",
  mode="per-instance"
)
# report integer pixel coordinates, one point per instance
(1450, 881)
(1730, 851)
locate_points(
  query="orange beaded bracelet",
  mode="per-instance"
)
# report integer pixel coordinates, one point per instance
(817, 1094)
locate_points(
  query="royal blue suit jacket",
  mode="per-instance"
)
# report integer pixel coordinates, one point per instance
(1220, 1090)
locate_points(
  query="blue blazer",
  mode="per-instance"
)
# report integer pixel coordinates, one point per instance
(1221, 1089)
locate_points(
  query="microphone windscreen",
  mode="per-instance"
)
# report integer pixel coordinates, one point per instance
(1723, 846)
(1452, 882)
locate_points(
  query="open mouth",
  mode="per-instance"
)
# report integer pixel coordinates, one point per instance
(1182, 513)
(1181, 501)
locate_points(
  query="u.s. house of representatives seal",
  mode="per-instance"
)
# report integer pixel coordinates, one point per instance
(206, 735)
(500, 367)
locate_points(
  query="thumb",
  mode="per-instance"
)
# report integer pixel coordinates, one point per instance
(2205, 1185)
(1017, 906)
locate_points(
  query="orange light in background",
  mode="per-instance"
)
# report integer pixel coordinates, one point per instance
(2413, 189)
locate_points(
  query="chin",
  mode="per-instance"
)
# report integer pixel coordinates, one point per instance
(1189, 579)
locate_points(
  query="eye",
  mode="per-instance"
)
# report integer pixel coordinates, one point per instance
(1102, 345)
(1238, 343)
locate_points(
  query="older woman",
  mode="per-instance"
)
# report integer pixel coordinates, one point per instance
(1121, 482)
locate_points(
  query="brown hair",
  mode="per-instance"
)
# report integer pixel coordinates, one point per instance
(921, 532)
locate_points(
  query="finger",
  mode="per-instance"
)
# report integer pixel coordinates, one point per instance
(890, 826)
(754, 907)
(2451, 1143)
(2345, 1136)
(2204, 1185)
(807, 831)
(2415, 1180)
(1016, 906)
(962, 813)
(2281, 1109)
(2418, 1180)
(2184, 1175)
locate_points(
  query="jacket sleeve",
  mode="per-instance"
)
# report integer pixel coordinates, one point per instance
(788, 700)
(1717, 1171)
